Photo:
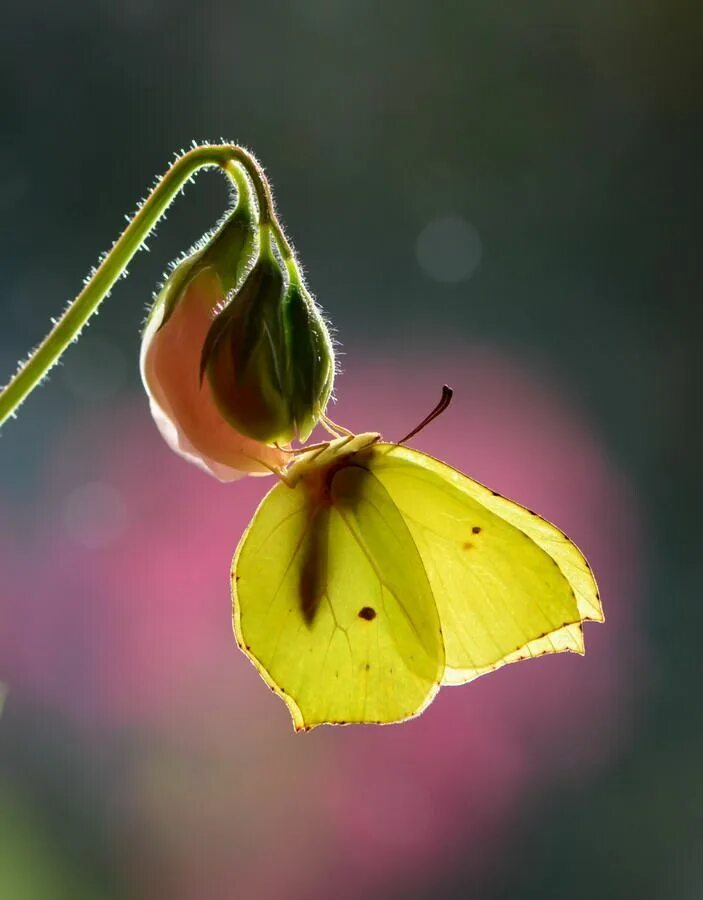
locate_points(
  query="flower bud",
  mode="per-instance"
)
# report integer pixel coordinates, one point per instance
(181, 402)
(268, 357)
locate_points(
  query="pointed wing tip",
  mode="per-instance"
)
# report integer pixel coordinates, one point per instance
(598, 617)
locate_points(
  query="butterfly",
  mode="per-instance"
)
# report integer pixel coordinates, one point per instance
(372, 574)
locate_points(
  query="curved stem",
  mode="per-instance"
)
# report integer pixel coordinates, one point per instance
(265, 200)
(67, 328)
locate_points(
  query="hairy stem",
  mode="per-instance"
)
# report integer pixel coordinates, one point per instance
(67, 328)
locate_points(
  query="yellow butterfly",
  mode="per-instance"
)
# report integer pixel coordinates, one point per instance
(373, 574)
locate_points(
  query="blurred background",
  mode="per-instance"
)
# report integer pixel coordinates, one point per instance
(504, 197)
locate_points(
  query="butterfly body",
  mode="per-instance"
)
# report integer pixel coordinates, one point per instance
(376, 573)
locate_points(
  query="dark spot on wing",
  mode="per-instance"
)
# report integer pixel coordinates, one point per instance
(368, 613)
(467, 545)
(367, 666)
(476, 529)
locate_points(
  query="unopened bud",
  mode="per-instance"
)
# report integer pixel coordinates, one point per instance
(181, 402)
(269, 358)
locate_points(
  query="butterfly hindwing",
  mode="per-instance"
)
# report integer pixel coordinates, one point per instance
(508, 584)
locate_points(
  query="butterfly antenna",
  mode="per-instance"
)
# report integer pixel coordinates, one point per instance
(446, 399)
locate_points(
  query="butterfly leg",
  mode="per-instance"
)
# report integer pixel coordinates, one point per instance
(333, 428)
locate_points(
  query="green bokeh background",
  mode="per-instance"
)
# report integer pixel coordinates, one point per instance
(568, 135)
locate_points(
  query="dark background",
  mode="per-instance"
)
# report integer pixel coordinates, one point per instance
(563, 141)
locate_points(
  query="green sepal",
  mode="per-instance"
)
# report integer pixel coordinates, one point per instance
(227, 250)
(244, 356)
(309, 372)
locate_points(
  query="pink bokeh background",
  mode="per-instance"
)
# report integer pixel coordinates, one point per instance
(115, 613)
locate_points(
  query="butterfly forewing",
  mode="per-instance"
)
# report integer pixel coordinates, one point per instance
(332, 603)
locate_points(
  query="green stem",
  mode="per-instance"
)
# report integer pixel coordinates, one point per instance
(265, 201)
(67, 328)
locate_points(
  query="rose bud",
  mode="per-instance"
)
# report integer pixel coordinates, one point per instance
(181, 402)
